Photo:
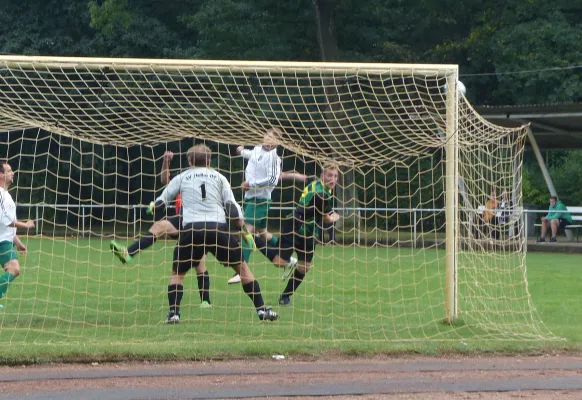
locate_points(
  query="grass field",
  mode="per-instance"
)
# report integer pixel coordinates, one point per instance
(73, 300)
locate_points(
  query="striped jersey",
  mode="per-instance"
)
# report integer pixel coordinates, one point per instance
(315, 202)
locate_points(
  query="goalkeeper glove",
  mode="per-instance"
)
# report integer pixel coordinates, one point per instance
(248, 239)
(151, 208)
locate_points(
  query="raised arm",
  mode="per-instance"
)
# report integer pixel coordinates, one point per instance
(244, 153)
(165, 174)
(8, 216)
(169, 194)
(229, 201)
(293, 176)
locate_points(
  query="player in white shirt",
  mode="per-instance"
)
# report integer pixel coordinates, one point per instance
(9, 241)
(206, 199)
(262, 174)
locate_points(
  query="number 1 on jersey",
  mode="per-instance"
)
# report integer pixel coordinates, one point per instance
(203, 190)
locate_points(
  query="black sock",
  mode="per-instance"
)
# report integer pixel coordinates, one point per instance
(204, 286)
(269, 252)
(147, 240)
(253, 290)
(175, 293)
(293, 283)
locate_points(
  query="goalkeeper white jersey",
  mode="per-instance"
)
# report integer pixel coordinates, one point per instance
(262, 172)
(205, 193)
(7, 216)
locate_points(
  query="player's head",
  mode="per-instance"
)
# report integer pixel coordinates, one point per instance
(553, 200)
(199, 156)
(272, 138)
(6, 174)
(329, 175)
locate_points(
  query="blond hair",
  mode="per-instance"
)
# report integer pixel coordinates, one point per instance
(330, 165)
(199, 155)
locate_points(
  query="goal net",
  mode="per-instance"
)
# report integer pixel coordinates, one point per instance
(431, 241)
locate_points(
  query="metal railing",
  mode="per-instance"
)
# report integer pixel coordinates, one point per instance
(357, 212)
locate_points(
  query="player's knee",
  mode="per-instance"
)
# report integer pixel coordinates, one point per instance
(245, 272)
(161, 227)
(303, 267)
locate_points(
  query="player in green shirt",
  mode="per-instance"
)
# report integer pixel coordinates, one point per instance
(558, 218)
(299, 229)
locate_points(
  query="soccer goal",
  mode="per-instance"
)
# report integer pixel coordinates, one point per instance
(430, 244)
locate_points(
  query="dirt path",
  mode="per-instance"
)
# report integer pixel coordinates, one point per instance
(548, 377)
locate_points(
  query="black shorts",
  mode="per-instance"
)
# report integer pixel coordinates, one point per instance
(563, 223)
(176, 221)
(291, 240)
(200, 238)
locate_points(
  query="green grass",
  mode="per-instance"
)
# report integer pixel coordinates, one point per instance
(74, 301)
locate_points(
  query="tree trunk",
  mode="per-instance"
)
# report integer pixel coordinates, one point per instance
(345, 191)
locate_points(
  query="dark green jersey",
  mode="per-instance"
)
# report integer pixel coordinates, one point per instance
(316, 201)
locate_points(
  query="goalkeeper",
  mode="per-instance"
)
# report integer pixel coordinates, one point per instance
(206, 194)
(299, 230)
(170, 227)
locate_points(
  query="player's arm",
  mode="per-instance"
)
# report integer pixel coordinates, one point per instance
(324, 205)
(165, 174)
(293, 176)
(244, 153)
(167, 196)
(8, 216)
(230, 204)
(19, 245)
(28, 224)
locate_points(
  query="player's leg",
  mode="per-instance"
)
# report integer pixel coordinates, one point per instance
(542, 237)
(186, 256)
(555, 226)
(305, 247)
(249, 215)
(162, 227)
(203, 283)
(247, 249)
(281, 255)
(9, 260)
(227, 251)
(252, 288)
(175, 293)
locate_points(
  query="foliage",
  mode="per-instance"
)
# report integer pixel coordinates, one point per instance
(487, 39)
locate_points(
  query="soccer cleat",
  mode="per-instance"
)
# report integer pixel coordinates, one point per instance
(289, 268)
(120, 252)
(234, 279)
(284, 300)
(267, 314)
(205, 304)
(553, 240)
(173, 318)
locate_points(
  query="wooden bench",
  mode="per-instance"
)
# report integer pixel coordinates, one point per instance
(576, 213)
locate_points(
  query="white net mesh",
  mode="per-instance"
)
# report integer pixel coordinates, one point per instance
(93, 161)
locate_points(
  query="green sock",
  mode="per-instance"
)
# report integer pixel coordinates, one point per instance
(246, 251)
(5, 280)
(273, 242)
